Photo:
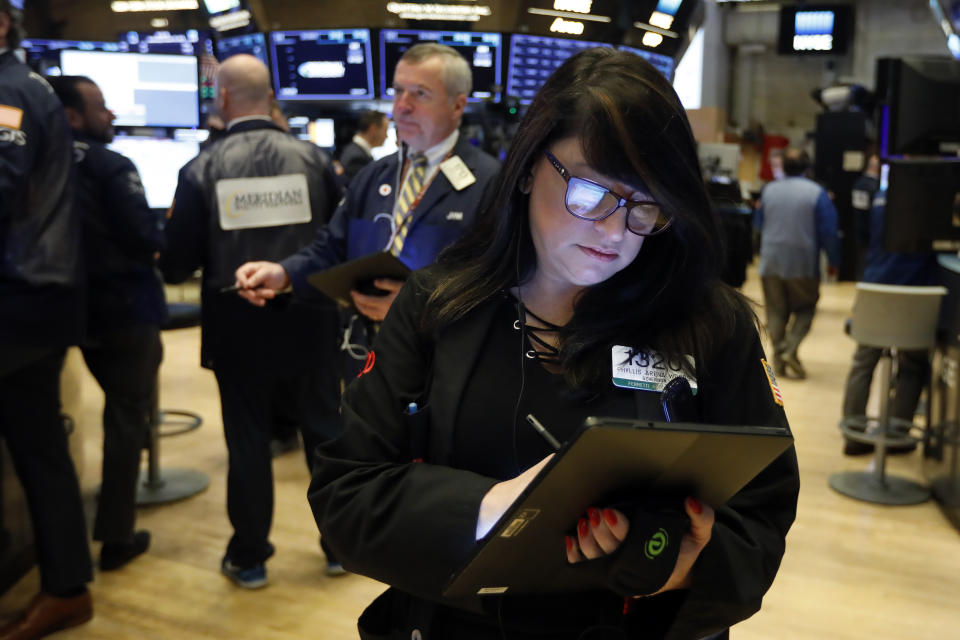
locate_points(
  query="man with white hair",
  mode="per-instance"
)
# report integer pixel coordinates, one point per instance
(413, 203)
(256, 192)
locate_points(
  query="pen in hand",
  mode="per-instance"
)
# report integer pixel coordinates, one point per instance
(231, 289)
(539, 428)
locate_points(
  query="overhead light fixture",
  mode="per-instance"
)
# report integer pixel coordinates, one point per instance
(232, 20)
(133, 6)
(651, 39)
(567, 14)
(662, 20)
(159, 23)
(643, 26)
(567, 26)
(579, 6)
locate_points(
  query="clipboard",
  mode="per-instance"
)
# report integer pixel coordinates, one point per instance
(337, 282)
(608, 459)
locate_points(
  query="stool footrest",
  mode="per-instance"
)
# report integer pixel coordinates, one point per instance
(183, 422)
(170, 485)
(866, 429)
(893, 490)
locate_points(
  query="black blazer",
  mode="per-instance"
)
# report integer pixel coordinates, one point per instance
(352, 159)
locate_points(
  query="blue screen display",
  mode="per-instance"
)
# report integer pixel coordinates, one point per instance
(187, 43)
(664, 64)
(44, 55)
(534, 58)
(252, 43)
(481, 50)
(326, 64)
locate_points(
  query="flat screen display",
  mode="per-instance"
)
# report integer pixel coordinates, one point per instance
(43, 56)
(252, 43)
(664, 64)
(481, 50)
(191, 42)
(143, 90)
(534, 58)
(326, 64)
(220, 6)
(158, 160)
(322, 133)
(815, 29)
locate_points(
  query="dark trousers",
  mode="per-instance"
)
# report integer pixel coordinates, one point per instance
(790, 304)
(913, 370)
(125, 363)
(247, 400)
(31, 424)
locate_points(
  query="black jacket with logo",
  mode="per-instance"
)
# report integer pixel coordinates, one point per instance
(284, 336)
(121, 235)
(40, 256)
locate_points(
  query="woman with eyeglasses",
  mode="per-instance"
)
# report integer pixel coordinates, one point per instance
(598, 239)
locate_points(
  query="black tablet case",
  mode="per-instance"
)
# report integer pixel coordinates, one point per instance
(608, 460)
(337, 282)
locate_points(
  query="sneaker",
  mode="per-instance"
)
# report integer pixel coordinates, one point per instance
(334, 569)
(254, 577)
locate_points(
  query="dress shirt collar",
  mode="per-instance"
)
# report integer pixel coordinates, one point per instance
(363, 144)
(438, 152)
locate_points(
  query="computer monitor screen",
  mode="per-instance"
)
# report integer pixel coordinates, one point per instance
(329, 64)
(922, 205)
(323, 133)
(43, 56)
(815, 29)
(192, 42)
(158, 160)
(919, 105)
(664, 64)
(151, 90)
(481, 50)
(253, 43)
(389, 146)
(534, 58)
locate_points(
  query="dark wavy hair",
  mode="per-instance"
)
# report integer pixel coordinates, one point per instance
(632, 129)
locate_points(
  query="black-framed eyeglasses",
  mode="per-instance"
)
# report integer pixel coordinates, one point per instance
(587, 200)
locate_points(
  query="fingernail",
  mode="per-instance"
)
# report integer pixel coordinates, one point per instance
(582, 527)
(569, 542)
(594, 516)
(610, 516)
(695, 505)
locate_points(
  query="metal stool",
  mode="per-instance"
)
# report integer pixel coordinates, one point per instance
(889, 317)
(156, 485)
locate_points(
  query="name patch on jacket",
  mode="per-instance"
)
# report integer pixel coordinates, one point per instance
(647, 370)
(252, 203)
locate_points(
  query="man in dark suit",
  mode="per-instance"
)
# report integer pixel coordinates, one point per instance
(356, 154)
(413, 203)
(125, 309)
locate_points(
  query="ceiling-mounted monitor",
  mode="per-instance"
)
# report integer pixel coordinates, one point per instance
(664, 64)
(43, 56)
(251, 43)
(815, 29)
(142, 90)
(191, 42)
(482, 52)
(534, 58)
(322, 64)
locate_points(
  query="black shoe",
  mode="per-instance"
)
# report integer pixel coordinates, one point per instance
(114, 555)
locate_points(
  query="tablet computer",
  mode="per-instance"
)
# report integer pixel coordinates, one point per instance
(358, 275)
(610, 458)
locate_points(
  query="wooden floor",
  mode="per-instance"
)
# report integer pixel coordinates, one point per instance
(852, 570)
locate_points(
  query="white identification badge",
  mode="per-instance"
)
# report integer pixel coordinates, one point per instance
(252, 203)
(457, 173)
(861, 199)
(647, 370)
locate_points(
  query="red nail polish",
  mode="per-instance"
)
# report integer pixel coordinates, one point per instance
(695, 505)
(610, 516)
(569, 542)
(582, 527)
(594, 516)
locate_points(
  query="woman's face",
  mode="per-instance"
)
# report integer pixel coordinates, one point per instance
(572, 251)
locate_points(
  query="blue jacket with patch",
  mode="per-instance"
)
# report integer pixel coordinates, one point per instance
(362, 223)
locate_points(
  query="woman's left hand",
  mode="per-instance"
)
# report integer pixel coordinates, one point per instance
(603, 530)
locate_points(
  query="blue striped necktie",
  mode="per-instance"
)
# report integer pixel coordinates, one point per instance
(409, 191)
